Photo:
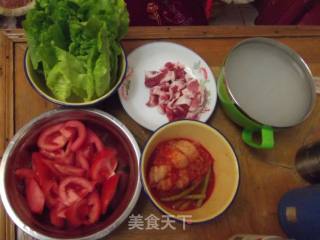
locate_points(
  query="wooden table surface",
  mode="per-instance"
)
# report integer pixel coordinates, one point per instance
(265, 175)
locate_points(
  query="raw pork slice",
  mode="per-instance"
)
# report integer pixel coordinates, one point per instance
(175, 92)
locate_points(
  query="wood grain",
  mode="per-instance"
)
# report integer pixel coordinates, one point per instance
(220, 32)
(265, 175)
(196, 32)
(7, 230)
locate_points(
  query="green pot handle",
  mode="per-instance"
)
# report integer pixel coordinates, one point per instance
(267, 138)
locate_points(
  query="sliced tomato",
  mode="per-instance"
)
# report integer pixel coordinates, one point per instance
(59, 153)
(82, 161)
(68, 132)
(87, 211)
(108, 191)
(57, 136)
(121, 188)
(104, 164)
(94, 207)
(43, 169)
(88, 150)
(95, 140)
(51, 139)
(68, 174)
(62, 155)
(68, 159)
(57, 215)
(53, 169)
(81, 133)
(72, 214)
(24, 173)
(72, 189)
(35, 196)
(66, 170)
(51, 193)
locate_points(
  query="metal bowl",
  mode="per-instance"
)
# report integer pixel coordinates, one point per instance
(18, 154)
(37, 81)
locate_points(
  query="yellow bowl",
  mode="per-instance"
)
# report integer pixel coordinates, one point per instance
(226, 168)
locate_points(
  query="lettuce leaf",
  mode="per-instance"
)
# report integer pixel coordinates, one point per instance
(75, 44)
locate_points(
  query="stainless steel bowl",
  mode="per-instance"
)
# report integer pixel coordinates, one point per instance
(18, 154)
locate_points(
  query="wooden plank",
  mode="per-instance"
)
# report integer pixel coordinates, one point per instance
(202, 32)
(221, 32)
(7, 230)
(24, 114)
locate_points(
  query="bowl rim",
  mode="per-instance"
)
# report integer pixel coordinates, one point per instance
(17, 137)
(75, 104)
(153, 201)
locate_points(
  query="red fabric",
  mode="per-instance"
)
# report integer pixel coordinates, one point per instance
(168, 12)
(294, 12)
(208, 8)
(281, 12)
(312, 17)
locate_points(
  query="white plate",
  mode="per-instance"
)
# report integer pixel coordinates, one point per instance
(151, 57)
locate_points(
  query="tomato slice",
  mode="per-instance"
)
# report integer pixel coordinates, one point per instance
(42, 169)
(57, 215)
(88, 150)
(51, 169)
(68, 132)
(108, 191)
(51, 139)
(24, 173)
(94, 206)
(72, 189)
(69, 170)
(95, 141)
(87, 211)
(104, 164)
(35, 196)
(81, 133)
(68, 159)
(60, 155)
(72, 214)
(57, 136)
(121, 188)
(82, 160)
(51, 193)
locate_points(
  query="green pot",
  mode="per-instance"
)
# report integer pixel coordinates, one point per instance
(231, 100)
(250, 126)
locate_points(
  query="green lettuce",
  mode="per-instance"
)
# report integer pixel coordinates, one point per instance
(75, 44)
